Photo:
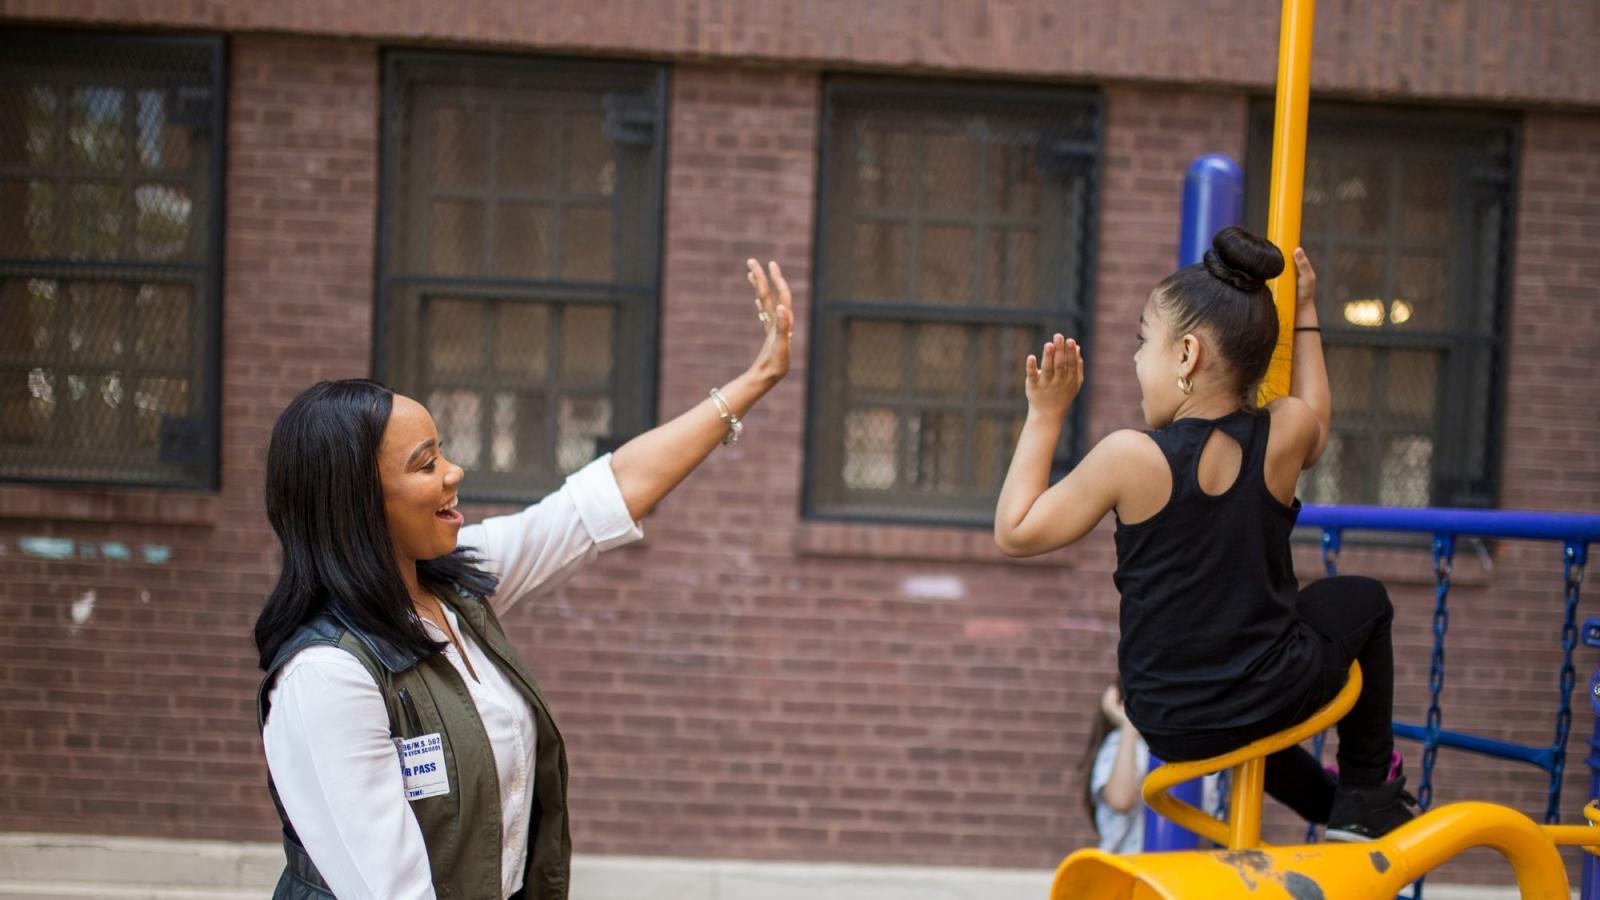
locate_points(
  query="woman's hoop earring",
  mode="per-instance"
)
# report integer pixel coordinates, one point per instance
(1185, 385)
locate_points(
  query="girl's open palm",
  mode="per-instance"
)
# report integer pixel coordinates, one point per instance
(1055, 376)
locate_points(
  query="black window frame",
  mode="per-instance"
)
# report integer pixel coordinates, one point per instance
(194, 441)
(634, 376)
(1485, 149)
(1080, 148)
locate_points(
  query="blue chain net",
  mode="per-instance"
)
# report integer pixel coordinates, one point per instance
(1572, 571)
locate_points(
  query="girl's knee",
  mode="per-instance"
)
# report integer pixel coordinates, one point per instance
(1354, 593)
(1372, 591)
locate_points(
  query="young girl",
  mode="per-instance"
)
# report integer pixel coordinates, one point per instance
(1118, 761)
(1219, 647)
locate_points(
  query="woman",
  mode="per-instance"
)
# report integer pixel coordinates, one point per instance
(410, 753)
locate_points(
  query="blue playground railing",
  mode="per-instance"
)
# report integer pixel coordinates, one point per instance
(1575, 533)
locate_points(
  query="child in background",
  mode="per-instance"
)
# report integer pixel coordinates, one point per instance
(1111, 792)
(1117, 760)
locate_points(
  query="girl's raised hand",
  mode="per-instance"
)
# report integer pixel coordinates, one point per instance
(1055, 376)
(1305, 280)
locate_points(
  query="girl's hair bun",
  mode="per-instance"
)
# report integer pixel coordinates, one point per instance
(1242, 261)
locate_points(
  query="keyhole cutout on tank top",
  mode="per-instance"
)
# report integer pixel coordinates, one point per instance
(1220, 461)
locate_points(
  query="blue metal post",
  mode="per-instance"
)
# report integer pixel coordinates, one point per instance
(1213, 199)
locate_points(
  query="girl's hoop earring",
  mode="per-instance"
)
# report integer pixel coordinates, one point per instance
(1185, 385)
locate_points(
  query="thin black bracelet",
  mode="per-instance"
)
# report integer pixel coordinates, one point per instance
(1316, 328)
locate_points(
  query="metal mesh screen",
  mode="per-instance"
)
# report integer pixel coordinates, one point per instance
(1405, 220)
(954, 237)
(521, 257)
(109, 190)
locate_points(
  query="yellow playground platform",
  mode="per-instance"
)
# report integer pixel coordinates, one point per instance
(1366, 871)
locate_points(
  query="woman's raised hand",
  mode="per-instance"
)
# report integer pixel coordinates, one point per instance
(775, 310)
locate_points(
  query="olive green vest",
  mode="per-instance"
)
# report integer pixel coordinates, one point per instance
(462, 828)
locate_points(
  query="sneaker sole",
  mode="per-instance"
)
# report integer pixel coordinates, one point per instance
(1341, 836)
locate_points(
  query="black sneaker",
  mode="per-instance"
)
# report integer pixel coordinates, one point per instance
(1367, 813)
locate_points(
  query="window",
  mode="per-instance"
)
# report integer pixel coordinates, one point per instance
(955, 234)
(520, 243)
(110, 258)
(1407, 220)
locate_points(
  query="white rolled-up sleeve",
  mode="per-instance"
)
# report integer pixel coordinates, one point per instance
(338, 775)
(538, 549)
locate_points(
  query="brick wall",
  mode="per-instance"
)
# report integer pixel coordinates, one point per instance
(1462, 49)
(140, 718)
(1552, 444)
(744, 683)
(1151, 137)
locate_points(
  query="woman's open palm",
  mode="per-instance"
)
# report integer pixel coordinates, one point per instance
(775, 309)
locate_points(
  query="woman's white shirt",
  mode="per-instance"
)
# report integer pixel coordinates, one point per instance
(327, 735)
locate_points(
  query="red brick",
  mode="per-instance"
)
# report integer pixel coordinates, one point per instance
(1413, 48)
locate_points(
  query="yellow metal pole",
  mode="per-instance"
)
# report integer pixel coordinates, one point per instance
(1584, 836)
(1429, 840)
(1288, 177)
(1244, 804)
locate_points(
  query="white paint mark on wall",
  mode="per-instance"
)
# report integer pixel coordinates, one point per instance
(934, 587)
(46, 547)
(144, 596)
(82, 609)
(55, 548)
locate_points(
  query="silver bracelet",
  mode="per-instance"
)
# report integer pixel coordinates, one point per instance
(735, 427)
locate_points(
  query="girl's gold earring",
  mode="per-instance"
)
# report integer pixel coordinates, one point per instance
(1185, 385)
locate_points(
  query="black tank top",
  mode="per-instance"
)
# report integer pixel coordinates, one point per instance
(1210, 638)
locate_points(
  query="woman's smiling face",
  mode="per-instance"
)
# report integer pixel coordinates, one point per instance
(419, 484)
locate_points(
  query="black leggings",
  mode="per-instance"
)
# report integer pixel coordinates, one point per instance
(1352, 616)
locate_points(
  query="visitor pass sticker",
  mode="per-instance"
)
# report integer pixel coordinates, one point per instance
(422, 764)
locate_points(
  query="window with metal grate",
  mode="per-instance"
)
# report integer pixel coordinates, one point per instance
(110, 258)
(955, 233)
(1408, 221)
(520, 258)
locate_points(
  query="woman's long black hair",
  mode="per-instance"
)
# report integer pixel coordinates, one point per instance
(325, 501)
